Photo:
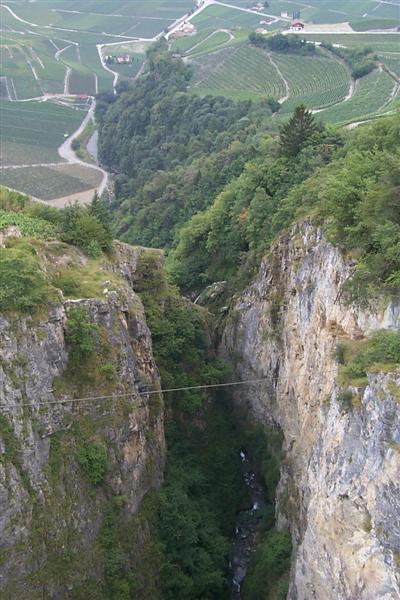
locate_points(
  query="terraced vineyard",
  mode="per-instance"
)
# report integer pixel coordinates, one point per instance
(372, 94)
(314, 81)
(246, 72)
(392, 62)
(237, 72)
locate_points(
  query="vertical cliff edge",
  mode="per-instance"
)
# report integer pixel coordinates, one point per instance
(339, 490)
(71, 471)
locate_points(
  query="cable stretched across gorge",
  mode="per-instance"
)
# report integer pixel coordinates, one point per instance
(147, 392)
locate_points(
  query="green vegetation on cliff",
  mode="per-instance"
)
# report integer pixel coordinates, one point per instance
(381, 352)
(30, 279)
(352, 193)
(216, 201)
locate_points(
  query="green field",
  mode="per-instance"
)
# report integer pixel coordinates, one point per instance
(392, 62)
(332, 11)
(372, 95)
(121, 18)
(17, 63)
(50, 67)
(185, 44)
(383, 42)
(222, 17)
(208, 40)
(32, 131)
(215, 40)
(370, 24)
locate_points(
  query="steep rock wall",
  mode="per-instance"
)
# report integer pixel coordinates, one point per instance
(340, 481)
(51, 513)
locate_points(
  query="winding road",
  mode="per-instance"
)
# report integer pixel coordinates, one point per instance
(66, 152)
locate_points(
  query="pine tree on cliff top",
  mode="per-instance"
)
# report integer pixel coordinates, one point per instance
(297, 131)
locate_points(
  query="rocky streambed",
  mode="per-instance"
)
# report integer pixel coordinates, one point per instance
(247, 523)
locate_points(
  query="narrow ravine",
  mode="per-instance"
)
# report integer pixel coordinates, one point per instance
(247, 523)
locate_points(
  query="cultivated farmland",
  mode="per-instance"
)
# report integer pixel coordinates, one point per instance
(314, 81)
(32, 131)
(392, 62)
(383, 42)
(220, 17)
(372, 95)
(238, 72)
(64, 35)
(50, 182)
(244, 71)
(333, 11)
(50, 52)
(115, 17)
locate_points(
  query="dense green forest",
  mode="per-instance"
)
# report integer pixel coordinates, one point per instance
(349, 186)
(171, 151)
(291, 43)
(218, 206)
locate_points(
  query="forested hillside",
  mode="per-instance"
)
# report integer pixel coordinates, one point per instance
(172, 151)
(351, 190)
(213, 182)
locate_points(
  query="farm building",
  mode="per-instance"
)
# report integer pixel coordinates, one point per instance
(258, 6)
(297, 26)
(186, 29)
(178, 34)
(123, 59)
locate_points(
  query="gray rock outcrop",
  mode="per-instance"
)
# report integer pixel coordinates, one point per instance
(340, 480)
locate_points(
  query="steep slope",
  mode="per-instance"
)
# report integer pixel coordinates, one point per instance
(73, 474)
(339, 489)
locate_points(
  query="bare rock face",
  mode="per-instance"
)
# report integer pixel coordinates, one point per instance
(340, 481)
(53, 502)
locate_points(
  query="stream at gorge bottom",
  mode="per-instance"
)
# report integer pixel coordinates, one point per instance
(247, 524)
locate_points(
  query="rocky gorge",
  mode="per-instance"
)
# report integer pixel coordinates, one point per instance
(339, 486)
(71, 468)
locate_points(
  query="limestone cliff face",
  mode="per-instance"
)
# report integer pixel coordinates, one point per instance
(340, 481)
(51, 512)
